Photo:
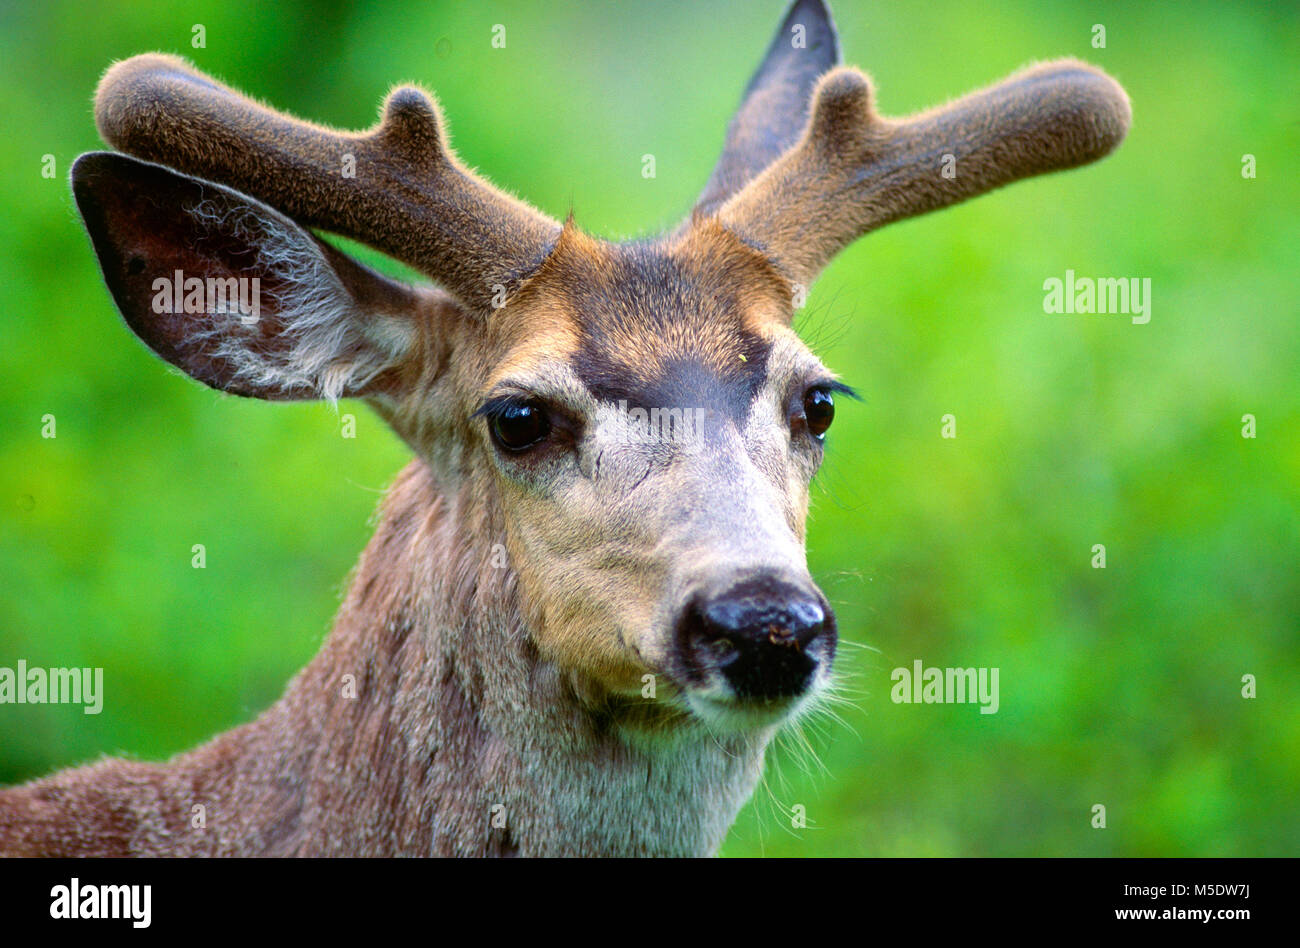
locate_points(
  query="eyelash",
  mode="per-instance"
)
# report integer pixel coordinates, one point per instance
(498, 404)
(835, 385)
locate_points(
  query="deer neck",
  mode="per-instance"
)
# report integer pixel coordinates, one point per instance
(435, 727)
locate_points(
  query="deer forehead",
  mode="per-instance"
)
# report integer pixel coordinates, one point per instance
(699, 321)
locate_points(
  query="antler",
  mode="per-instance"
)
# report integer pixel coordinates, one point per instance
(775, 104)
(410, 197)
(853, 171)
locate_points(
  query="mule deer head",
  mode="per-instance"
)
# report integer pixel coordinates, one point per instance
(636, 424)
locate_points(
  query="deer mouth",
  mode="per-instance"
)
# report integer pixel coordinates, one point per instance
(734, 716)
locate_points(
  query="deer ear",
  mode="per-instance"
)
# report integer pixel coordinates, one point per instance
(774, 109)
(234, 293)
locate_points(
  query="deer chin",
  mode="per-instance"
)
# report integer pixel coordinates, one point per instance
(687, 702)
(728, 714)
(715, 701)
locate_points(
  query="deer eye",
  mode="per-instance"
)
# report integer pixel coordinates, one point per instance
(518, 426)
(819, 411)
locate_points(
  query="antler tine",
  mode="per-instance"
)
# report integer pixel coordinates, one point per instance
(853, 171)
(410, 197)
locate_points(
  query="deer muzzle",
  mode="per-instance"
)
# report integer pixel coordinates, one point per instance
(764, 638)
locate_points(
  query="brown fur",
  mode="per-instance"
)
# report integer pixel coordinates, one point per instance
(412, 765)
(499, 706)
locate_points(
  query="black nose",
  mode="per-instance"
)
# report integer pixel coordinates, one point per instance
(766, 637)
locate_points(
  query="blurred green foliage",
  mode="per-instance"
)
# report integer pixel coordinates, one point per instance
(1118, 686)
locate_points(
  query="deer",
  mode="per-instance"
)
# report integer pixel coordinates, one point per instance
(563, 639)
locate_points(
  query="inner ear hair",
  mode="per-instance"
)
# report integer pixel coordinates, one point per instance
(234, 293)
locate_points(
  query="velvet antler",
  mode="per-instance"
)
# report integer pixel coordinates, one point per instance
(408, 196)
(854, 170)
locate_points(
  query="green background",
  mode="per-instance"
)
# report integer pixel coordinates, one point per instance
(1119, 686)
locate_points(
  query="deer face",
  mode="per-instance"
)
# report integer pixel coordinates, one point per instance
(650, 426)
(639, 422)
